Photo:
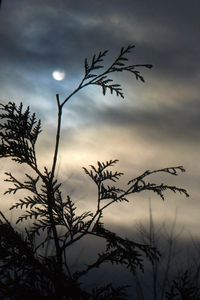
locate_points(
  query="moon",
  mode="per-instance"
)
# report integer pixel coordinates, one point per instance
(58, 75)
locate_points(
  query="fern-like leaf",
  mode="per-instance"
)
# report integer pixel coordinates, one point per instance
(30, 184)
(19, 131)
(103, 79)
(100, 173)
(138, 184)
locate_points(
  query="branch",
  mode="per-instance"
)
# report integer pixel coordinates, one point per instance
(57, 136)
(102, 79)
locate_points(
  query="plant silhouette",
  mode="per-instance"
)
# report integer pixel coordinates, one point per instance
(25, 271)
(176, 276)
(184, 287)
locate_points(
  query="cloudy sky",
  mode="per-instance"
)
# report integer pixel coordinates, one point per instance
(155, 126)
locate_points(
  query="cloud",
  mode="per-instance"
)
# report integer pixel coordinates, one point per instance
(166, 122)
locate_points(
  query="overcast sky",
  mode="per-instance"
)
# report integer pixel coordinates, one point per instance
(155, 126)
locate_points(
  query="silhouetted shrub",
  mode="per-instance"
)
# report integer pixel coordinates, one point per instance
(26, 272)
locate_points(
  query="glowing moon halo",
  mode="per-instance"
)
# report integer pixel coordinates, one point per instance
(58, 75)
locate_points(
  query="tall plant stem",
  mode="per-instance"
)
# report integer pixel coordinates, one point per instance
(57, 136)
(51, 200)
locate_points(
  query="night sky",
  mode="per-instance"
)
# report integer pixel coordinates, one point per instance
(155, 126)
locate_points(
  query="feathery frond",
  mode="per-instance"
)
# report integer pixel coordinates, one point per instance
(138, 184)
(19, 131)
(119, 65)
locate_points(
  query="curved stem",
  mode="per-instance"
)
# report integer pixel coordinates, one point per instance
(57, 136)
